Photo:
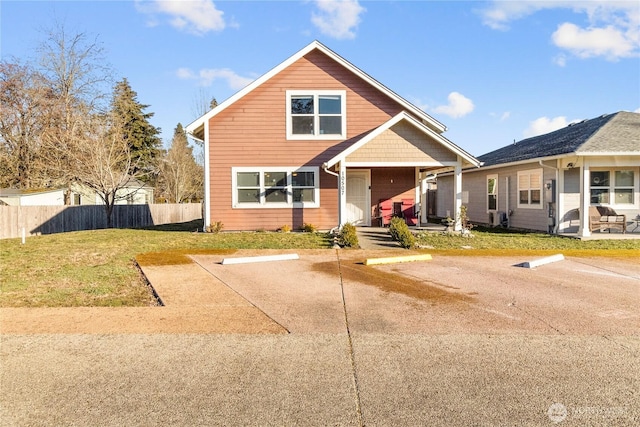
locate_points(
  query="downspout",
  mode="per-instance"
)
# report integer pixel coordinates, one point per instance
(556, 218)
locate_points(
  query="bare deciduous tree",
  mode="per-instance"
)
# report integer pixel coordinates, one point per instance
(25, 107)
(102, 160)
(79, 80)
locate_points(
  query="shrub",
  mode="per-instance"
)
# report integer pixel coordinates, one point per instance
(348, 236)
(400, 232)
(285, 228)
(215, 228)
(464, 219)
(309, 228)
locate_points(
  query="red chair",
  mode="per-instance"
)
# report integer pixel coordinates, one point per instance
(408, 212)
(385, 212)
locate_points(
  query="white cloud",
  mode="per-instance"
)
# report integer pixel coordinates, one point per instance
(608, 42)
(192, 16)
(637, 111)
(207, 76)
(613, 29)
(458, 106)
(337, 18)
(543, 125)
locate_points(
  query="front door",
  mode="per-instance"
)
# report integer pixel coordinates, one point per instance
(358, 197)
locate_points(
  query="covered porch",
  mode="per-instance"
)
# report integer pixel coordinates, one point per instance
(386, 173)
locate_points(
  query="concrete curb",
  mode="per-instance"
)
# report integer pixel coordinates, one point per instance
(397, 259)
(264, 258)
(541, 261)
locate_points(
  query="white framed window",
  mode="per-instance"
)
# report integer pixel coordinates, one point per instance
(492, 193)
(530, 189)
(275, 187)
(319, 114)
(612, 187)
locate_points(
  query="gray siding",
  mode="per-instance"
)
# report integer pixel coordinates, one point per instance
(474, 186)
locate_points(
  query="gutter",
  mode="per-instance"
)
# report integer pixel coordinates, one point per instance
(325, 167)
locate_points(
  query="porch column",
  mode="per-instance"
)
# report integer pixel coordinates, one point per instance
(417, 207)
(207, 178)
(457, 186)
(585, 199)
(342, 194)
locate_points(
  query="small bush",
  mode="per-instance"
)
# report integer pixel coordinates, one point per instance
(309, 228)
(348, 236)
(400, 232)
(215, 228)
(285, 228)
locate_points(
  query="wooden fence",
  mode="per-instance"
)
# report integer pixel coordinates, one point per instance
(58, 219)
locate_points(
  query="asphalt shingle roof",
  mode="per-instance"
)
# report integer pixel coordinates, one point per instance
(618, 132)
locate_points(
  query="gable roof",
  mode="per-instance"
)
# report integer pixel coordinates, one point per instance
(400, 117)
(198, 124)
(617, 133)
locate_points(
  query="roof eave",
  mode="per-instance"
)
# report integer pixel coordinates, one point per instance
(403, 116)
(192, 127)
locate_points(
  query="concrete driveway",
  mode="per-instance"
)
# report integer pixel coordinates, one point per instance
(325, 340)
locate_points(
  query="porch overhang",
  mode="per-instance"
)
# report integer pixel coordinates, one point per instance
(403, 141)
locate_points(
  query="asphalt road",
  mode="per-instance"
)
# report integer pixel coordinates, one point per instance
(450, 342)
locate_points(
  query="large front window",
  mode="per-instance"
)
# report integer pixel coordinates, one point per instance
(530, 189)
(316, 114)
(612, 187)
(275, 187)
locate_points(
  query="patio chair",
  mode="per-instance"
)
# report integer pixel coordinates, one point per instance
(385, 212)
(604, 218)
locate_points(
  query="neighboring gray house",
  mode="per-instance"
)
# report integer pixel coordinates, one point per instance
(43, 197)
(135, 192)
(548, 182)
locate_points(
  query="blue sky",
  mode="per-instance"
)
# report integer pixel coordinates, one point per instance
(492, 72)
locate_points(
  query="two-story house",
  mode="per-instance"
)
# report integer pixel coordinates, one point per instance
(318, 141)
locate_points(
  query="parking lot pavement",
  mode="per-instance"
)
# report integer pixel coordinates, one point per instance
(455, 341)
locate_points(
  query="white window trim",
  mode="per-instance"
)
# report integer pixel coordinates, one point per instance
(262, 204)
(495, 188)
(541, 188)
(612, 187)
(315, 94)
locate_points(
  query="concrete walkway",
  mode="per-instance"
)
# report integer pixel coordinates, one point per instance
(372, 238)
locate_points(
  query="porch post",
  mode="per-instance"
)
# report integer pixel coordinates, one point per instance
(342, 194)
(417, 206)
(585, 199)
(457, 185)
(207, 178)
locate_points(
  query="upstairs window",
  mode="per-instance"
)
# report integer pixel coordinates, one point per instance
(530, 189)
(316, 114)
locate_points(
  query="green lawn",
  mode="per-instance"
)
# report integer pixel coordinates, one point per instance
(503, 240)
(97, 268)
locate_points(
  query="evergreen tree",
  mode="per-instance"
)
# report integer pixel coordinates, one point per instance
(140, 135)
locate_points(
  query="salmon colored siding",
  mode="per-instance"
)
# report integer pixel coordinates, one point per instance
(252, 132)
(392, 183)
